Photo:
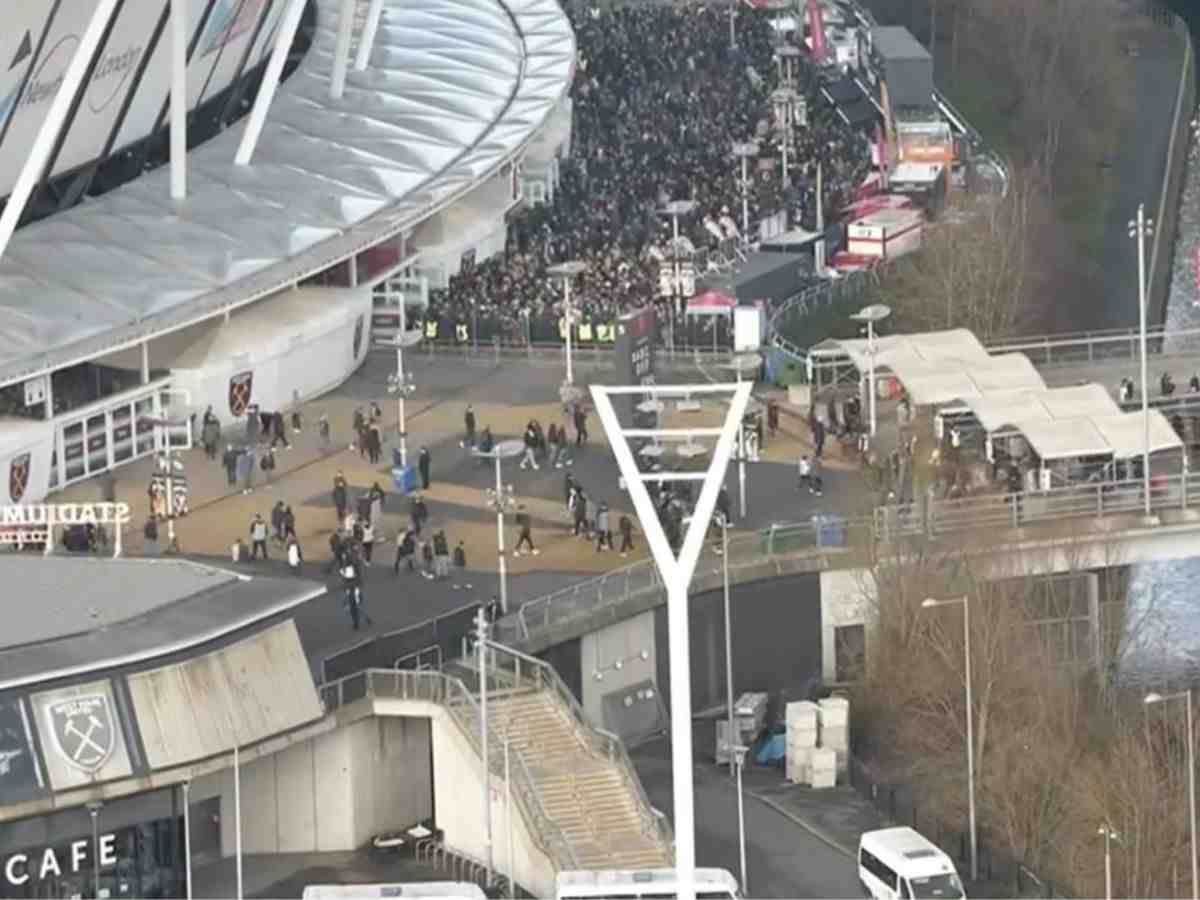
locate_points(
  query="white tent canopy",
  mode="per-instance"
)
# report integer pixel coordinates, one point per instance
(926, 348)
(1125, 434)
(996, 411)
(1120, 435)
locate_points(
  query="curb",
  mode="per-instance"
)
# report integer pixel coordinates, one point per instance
(818, 833)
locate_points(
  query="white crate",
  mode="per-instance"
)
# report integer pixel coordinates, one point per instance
(835, 712)
(824, 760)
(802, 738)
(802, 711)
(798, 772)
(823, 780)
(838, 739)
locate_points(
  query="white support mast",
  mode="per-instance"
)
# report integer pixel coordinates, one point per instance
(270, 82)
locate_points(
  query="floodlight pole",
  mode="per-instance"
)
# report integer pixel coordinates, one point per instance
(481, 646)
(502, 564)
(401, 385)
(1140, 228)
(179, 39)
(676, 575)
(569, 322)
(741, 452)
(871, 369)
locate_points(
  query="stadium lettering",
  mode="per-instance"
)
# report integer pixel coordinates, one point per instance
(40, 91)
(66, 514)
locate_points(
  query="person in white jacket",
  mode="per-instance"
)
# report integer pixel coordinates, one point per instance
(294, 557)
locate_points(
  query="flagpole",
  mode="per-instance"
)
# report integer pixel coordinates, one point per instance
(237, 817)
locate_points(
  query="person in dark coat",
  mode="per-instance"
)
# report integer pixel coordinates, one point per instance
(279, 430)
(626, 527)
(230, 461)
(406, 549)
(418, 513)
(468, 427)
(277, 520)
(525, 524)
(581, 432)
(289, 522)
(423, 461)
(340, 499)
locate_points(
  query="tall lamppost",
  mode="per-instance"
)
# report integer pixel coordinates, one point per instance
(783, 99)
(501, 450)
(1140, 229)
(876, 312)
(481, 649)
(1186, 696)
(930, 603)
(740, 363)
(1106, 831)
(675, 209)
(567, 271)
(732, 25)
(744, 150)
(728, 641)
(739, 759)
(401, 383)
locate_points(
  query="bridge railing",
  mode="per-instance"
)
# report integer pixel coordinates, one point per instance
(1074, 348)
(793, 547)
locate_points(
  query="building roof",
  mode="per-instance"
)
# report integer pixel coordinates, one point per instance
(93, 612)
(455, 90)
(897, 42)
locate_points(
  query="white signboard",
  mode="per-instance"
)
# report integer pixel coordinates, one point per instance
(46, 865)
(82, 739)
(22, 110)
(113, 78)
(43, 515)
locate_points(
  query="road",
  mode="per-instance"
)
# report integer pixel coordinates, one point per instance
(782, 858)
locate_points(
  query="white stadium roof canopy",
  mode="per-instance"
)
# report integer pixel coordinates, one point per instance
(455, 89)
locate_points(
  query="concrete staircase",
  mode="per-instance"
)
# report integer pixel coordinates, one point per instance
(590, 806)
(585, 792)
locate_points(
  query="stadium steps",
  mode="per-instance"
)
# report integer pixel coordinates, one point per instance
(587, 795)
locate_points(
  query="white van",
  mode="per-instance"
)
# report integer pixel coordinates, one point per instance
(424, 890)
(642, 884)
(900, 864)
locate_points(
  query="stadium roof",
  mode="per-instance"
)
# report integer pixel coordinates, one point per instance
(455, 90)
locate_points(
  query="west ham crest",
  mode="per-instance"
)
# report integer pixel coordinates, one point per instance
(18, 476)
(240, 388)
(83, 732)
(358, 335)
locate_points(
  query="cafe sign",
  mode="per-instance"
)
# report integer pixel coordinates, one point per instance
(76, 857)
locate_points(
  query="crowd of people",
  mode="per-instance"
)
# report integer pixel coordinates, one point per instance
(659, 99)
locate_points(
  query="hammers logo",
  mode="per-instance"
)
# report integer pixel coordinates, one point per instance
(83, 731)
(18, 477)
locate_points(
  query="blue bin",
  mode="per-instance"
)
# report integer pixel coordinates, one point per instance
(404, 478)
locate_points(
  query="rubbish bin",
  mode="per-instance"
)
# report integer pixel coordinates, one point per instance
(404, 478)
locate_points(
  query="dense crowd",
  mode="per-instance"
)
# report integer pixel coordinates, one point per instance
(659, 100)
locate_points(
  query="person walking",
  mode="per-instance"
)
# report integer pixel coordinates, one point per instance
(268, 464)
(368, 540)
(323, 432)
(352, 587)
(418, 514)
(150, 537)
(230, 461)
(804, 472)
(289, 522)
(772, 417)
(374, 443)
(358, 423)
(603, 533)
(625, 524)
(569, 493)
(581, 432)
(818, 436)
(525, 539)
(468, 440)
(258, 537)
(279, 431)
(406, 548)
(423, 463)
(723, 504)
(277, 521)
(294, 557)
(248, 461)
(816, 483)
(336, 549)
(530, 457)
(340, 499)
(441, 555)
(580, 513)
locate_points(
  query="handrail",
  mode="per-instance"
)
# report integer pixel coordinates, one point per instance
(933, 518)
(452, 694)
(610, 744)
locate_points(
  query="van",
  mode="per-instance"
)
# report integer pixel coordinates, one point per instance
(900, 864)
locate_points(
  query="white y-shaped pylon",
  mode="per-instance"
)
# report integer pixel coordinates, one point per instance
(677, 573)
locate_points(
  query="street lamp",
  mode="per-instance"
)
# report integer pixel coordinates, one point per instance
(567, 271)
(481, 648)
(783, 99)
(930, 603)
(728, 644)
(740, 363)
(1140, 229)
(501, 450)
(1186, 696)
(675, 209)
(739, 758)
(93, 809)
(732, 24)
(1106, 831)
(876, 312)
(744, 150)
(401, 383)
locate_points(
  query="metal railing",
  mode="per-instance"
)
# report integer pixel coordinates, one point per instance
(521, 671)
(453, 695)
(1075, 348)
(812, 545)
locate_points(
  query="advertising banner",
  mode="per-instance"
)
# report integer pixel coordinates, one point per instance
(20, 774)
(81, 734)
